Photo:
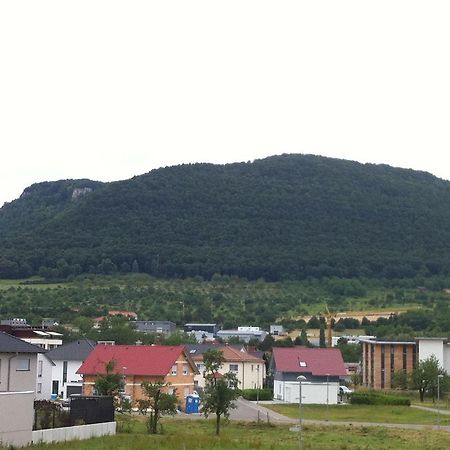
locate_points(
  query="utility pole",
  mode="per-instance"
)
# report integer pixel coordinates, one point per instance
(328, 376)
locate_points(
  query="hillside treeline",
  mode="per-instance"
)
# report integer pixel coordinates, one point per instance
(284, 217)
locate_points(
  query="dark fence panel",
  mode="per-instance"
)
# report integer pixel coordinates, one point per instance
(88, 410)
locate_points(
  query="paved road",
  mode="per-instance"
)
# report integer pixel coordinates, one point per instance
(446, 412)
(251, 411)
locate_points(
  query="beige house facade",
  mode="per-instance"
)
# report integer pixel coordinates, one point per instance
(249, 369)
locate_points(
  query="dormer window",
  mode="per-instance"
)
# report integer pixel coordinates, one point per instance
(302, 363)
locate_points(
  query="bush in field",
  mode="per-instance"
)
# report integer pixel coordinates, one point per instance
(378, 398)
(253, 394)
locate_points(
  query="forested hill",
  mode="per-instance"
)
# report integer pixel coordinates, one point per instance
(289, 216)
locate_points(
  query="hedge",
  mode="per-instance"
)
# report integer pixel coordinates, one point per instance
(253, 394)
(378, 398)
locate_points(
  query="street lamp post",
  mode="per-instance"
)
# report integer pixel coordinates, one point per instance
(328, 376)
(300, 429)
(257, 384)
(439, 377)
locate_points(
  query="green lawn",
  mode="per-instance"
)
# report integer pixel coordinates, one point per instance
(199, 435)
(363, 413)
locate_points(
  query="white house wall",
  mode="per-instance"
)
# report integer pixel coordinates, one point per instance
(446, 364)
(430, 347)
(44, 379)
(19, 380)
(312, 393)
(247, 374)
(72, 376)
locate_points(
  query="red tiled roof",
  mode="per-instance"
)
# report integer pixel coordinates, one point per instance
(151, 360)
(319, 361)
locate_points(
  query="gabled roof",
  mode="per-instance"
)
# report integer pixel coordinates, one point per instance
(230, 353)
(73, 351)
(195, 350)
(149, 360)
(317, 361)
(11, 344)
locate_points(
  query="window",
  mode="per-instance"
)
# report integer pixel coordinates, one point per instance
(186, 391)
(252, 368)
(174, 370)
(64, 372)
(372, 368)
(23, 365)
(39, 388)
(40, 363)
(185, 369)
(234, 368)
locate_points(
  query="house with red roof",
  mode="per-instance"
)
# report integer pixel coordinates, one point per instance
(321, 367)
(139, 364)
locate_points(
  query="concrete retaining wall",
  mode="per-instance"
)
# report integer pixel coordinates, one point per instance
(76, 432)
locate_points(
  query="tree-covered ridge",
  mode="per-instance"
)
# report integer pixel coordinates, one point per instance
(283, 217)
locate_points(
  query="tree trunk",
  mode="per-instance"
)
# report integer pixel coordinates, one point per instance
(421, 393)
(217, 424)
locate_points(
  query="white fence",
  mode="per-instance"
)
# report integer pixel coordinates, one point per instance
(72, 433)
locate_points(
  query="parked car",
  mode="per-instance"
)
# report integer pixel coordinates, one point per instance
(344, 390)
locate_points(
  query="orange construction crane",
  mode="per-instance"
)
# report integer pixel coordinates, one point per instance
(329, 316)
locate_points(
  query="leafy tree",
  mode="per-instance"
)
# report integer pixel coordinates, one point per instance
(286, 342)
(111, 383)
(399, 379)
(356, 379)
(159, 402)
(302, 339)
(313, 322)
(179, 338)
(350, 352)
(424, 376)
(322, 343)
(135, 266)
(267, 343)
(220, 390)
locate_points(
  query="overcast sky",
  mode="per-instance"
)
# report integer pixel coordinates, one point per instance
(111, 89)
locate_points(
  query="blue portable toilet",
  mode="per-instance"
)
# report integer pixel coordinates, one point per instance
(192, 403)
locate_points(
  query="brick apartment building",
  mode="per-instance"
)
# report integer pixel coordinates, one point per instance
(381, 359)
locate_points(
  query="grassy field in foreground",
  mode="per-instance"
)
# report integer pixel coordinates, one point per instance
(363, 413)
(199, 435)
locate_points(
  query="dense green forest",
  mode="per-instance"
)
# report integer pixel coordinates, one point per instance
(290, 217)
